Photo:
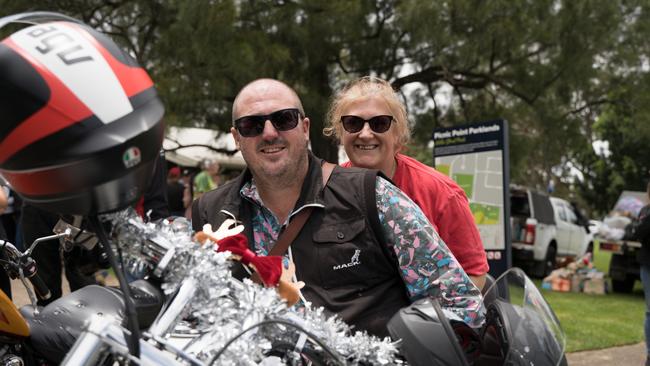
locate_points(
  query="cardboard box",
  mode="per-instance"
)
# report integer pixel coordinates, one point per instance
(577, 283)
(561, 284)
(596, 286)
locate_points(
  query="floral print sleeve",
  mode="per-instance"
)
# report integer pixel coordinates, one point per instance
(427, 266)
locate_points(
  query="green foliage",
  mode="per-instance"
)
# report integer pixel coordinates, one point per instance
(625, 125)
(550, 68)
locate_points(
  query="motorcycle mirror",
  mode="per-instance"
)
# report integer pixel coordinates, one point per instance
(77, 237)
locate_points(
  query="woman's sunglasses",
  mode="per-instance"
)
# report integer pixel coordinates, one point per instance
(378, 124)
(282, 120)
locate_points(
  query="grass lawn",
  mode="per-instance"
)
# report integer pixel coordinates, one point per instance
(599, 321)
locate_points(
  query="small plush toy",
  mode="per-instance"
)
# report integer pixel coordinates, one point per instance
(268, 270)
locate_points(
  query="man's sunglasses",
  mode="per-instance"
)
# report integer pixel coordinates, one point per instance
(282, 120)
(378, 124)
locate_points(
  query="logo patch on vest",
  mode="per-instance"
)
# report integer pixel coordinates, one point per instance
(354, 261)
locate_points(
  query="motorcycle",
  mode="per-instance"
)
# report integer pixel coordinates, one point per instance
(520, 329)
(35, 335)
(87, 327)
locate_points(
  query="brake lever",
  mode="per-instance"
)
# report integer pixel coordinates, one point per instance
(27, 270)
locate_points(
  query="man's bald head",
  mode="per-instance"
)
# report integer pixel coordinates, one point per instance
(262, 89)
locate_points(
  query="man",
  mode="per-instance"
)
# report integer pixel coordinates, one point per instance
(208, 179)
(4, 201)
(79, 264)
(642, 233)
(36, 223)
(175, 190)
(365, 251)
(5, 284)
(10, 216)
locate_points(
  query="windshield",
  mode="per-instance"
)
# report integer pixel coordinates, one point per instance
(522, 323)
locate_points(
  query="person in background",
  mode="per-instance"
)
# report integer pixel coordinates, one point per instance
(187, 177)
(11, 216)
(365, 251)
(80, 265)
(208, 179)
(175, 191)
(5, 282)
(642, 234)
(370, 120)
(50, 258)
(153, 204)
(188, 198)
(4, 203)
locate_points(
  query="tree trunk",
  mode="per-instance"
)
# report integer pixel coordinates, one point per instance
(316, 104)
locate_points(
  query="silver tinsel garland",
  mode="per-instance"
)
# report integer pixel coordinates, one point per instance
(224, 307)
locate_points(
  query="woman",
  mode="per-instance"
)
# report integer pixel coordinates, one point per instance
(370, 121)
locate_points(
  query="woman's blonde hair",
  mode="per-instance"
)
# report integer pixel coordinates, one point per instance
(364, 88)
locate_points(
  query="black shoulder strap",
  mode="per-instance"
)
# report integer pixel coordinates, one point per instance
(369, 189)
(298, 221)
(295, 225)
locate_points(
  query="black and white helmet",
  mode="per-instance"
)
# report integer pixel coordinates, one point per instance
(80, 120)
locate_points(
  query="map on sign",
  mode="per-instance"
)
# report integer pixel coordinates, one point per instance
(480, 176)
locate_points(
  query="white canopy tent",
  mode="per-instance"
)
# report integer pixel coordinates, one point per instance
(191, 156)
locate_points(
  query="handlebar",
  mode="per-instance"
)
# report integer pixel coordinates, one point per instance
(41, 289)
(10, 249)
(19, 265)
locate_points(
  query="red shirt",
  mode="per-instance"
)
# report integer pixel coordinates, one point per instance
(446, 206)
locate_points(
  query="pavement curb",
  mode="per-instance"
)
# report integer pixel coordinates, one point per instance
(630, 355)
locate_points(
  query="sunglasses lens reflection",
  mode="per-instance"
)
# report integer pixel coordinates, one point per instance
(352, 124)
(249, 126)
(378, 124)
(282, 120)
(285, 120)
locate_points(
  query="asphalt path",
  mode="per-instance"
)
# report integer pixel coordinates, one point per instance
(632, 355)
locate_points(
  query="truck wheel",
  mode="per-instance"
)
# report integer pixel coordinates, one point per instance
(623, 286)
(550, 260)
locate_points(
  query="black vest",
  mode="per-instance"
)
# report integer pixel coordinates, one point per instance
(340, 252)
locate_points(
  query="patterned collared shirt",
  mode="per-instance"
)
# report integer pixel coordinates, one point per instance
(427, 266)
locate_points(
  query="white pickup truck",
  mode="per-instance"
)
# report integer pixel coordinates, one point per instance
(543, 229)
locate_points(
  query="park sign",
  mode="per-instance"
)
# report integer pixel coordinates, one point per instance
(476, 157)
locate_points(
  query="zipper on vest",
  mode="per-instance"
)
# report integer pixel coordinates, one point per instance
(292, 214)
(319, 205)
(228, 213)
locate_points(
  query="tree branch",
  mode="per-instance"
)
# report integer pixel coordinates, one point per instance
(216, 149)
(589, 105)
(463, 105)
(428, 75)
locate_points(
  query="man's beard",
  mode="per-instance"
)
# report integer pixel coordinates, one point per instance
(290, 170)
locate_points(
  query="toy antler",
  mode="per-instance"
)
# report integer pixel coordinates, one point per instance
(269, 269)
